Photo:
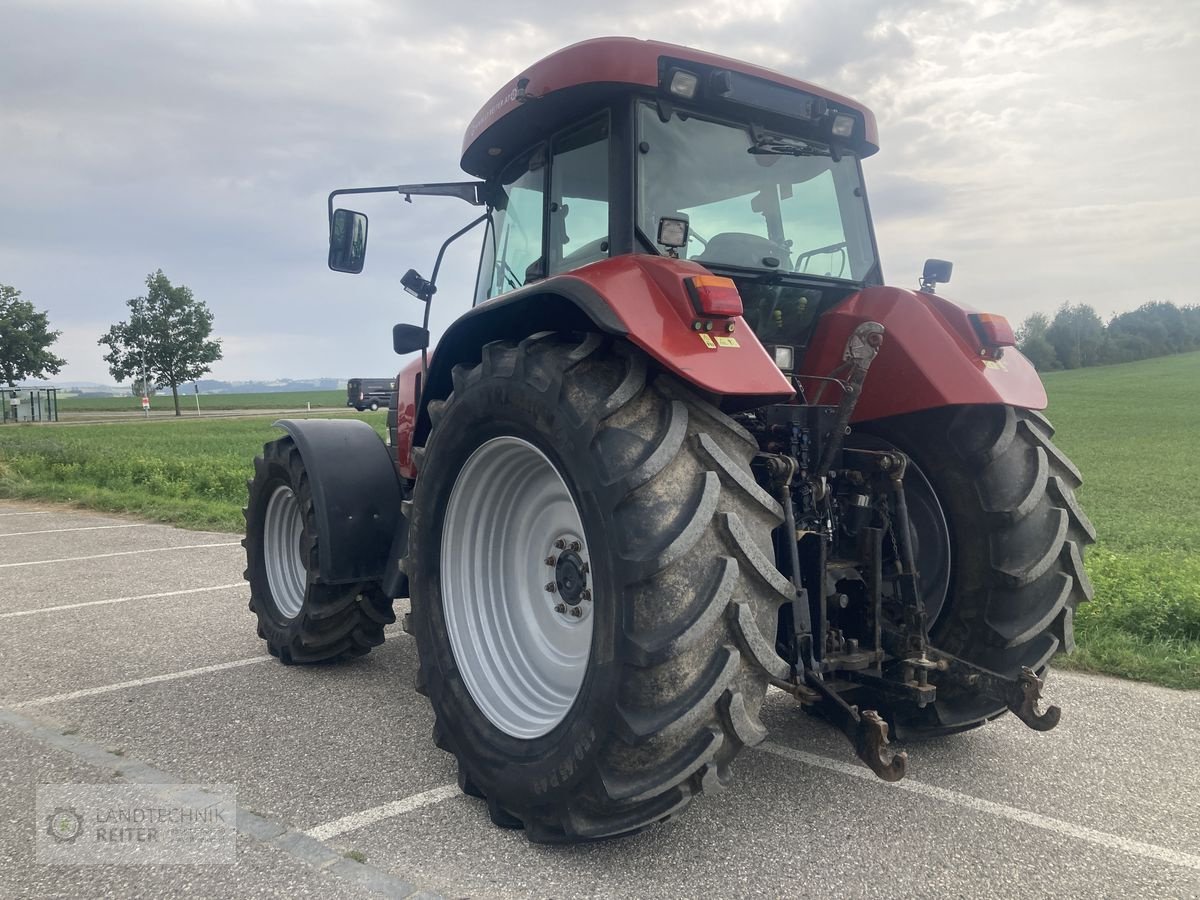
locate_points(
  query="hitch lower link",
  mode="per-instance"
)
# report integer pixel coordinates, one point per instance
(865, 729)
(1022, 695)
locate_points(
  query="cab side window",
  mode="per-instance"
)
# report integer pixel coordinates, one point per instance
(513, 245)
(578, 212)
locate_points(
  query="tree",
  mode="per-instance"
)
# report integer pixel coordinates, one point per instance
(1077, 335)
(167, 334)
(25, 339)
(1031, 340)
(1156, 328)
(142, 389)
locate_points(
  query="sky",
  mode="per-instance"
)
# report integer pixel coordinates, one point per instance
(1047, 148)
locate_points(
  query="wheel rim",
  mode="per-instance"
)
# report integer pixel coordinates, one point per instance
(516, 587)
(282, 530)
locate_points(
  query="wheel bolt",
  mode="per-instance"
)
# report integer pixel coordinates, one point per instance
(576, 611)
(560, 544)
(551, 587)
(576, 546)
(560, 608)
(586, 568)
(586, 595)
(550, 560)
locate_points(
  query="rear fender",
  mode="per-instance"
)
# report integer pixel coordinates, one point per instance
(641, 298)
(930, 356)
(356, 496)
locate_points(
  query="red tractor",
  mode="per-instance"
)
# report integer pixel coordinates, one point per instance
(685, 445)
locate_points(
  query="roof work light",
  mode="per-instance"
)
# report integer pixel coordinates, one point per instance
(683, 84)
(843, 125)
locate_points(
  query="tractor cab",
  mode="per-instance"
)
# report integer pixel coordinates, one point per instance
(619, 146)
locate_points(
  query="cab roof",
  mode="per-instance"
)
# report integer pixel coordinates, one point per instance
(592, 71)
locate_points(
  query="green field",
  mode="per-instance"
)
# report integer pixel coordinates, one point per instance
(190, 472)
(208, 402)
(1132, 429)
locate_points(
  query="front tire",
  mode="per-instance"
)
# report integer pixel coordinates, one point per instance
(644, 699)
(302, 619)
(1016, 538)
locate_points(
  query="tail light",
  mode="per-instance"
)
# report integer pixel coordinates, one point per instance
(714, 296)
(994, 331)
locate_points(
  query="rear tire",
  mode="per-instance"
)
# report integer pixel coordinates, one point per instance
(1017, 538)
(677, 537)
(301, 619)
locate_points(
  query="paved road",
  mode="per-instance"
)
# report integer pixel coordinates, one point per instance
(127, 655)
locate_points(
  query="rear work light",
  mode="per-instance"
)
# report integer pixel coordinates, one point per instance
(843, 125)
(683, 84)
(993, 331)
(714, 296)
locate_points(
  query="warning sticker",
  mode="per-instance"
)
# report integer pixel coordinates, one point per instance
(727, 342)
(708, 341)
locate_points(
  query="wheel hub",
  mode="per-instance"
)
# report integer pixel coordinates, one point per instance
(569, 577)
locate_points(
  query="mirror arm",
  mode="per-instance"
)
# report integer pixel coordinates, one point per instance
(437, 265)
(470, 191)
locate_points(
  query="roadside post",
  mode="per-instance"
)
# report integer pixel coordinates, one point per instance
(196, 388)
(145, 387)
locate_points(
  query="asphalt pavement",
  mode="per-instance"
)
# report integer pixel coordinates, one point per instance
(128, 656)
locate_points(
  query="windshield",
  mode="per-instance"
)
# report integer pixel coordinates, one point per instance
(754, 199)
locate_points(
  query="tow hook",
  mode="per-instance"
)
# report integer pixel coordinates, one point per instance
(1027, 709)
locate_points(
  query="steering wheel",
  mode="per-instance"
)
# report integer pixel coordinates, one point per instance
(841, 248)
(741, 249)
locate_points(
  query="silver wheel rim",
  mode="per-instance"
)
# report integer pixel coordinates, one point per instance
(516, 587)
(282, 530)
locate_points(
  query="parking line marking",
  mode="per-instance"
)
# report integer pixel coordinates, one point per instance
(1015, 814)
(48, 609)
(47, 562)
(138, 682)
(81, 528)
(375, 814)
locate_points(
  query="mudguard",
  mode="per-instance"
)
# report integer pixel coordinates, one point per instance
(356, 496)
(640, 297)
(931, 356)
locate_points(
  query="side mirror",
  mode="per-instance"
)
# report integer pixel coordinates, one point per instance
(347, 241)
(409, 338)
(936, 271)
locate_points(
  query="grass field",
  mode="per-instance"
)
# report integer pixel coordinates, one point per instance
(208, 402)
(190, 472)
(1132, 429)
